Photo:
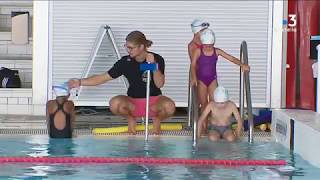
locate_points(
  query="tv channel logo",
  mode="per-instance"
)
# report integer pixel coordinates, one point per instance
(289, 25)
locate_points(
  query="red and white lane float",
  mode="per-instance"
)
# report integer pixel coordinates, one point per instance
(141, 160)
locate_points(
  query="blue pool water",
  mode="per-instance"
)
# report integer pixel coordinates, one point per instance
(177, 147)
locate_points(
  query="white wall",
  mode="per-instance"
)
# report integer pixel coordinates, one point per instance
(40, 55)
(277, 60)
(18, 57)
(41, 21)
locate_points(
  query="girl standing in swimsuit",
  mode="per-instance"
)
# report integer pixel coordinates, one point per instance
(203, 67)
(197, 26)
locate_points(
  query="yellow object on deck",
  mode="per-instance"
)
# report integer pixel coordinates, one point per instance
(123, 129)
(269, 126)
(263, 127)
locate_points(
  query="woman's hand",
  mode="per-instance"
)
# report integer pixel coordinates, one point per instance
(74, 83)
(245, 67)
(150, 58)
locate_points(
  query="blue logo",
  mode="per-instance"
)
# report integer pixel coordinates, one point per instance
(290, 23)
(284, 22)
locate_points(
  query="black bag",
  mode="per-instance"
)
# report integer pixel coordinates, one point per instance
(9, 78)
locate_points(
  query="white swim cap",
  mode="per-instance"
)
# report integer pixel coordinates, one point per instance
(207, 37)
(61, 90)
(198, 24)
(221, 94)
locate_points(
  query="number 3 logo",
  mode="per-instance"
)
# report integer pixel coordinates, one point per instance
(292, 20)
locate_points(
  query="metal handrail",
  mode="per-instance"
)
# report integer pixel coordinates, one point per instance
(245, 90)
(193, 109)
(195, 113)
(146, 127)
(190, 95)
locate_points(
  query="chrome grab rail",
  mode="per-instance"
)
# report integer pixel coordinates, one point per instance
(245, 90)
(193, 110)
(190, 95)
(195, 113)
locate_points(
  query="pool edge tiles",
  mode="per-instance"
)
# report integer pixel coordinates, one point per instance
(258, 136)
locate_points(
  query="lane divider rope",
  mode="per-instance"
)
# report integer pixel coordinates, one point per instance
(142, 160)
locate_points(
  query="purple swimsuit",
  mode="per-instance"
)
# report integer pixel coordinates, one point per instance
(206, 71)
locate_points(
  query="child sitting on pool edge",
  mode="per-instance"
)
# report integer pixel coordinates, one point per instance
(220, 112)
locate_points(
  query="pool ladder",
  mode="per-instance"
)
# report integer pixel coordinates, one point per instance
(245, 91)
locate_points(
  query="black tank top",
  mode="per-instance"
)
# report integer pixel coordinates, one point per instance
(66, 132)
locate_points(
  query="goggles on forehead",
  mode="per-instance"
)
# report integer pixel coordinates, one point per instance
(201, 25)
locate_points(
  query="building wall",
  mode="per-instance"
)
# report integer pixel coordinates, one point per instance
(75, 25)
(42, 80)
(17, 57)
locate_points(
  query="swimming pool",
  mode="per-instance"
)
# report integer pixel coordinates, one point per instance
(123, 146)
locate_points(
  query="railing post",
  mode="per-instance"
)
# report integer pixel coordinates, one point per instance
(241, 98)
(245, 84)
(195, 114)
(190, 95)
(146, 127)
(193, 109)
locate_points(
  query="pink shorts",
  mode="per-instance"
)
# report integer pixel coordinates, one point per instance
(140, 106)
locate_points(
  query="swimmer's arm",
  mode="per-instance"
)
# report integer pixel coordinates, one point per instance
(232, 59)
(228, 57)
(236, 114)
(47, 120)
(190, 51)
(194, 60)
(47, 116)
(73, 115)
(203, 117)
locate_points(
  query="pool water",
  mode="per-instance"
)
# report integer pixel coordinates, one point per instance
(123, 146)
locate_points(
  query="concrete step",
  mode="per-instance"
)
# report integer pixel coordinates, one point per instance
(82, 121)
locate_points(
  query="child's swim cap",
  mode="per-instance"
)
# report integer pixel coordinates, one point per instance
(198, 24)
(61, 89)
(207, 37)
(221, 94)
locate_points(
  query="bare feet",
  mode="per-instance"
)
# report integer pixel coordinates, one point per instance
(132, 132)
(131, 126)
(153, 132)
(156, 126)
